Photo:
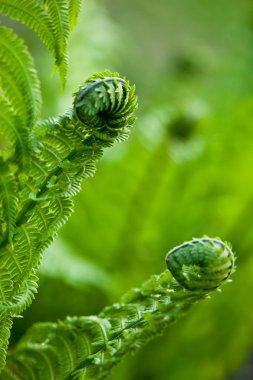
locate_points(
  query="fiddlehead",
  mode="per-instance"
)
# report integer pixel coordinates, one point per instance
(62, 152)
(87, 347)
(105, 105)
(201, 263)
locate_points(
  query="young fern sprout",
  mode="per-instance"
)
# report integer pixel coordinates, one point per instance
(86, 348)
(35, 193)
(201, 264)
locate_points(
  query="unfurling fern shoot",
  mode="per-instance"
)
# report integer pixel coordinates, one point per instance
(86, 348)
(61, 152)
(201, 264)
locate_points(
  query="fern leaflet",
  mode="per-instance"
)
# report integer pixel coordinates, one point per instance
(58, 13)
(74, 9)
(16, 59)
(50, 20)
(8, 201)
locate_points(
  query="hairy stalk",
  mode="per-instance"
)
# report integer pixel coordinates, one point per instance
(61, 153)
(88, 347)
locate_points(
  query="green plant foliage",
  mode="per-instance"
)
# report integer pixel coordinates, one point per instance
(186, 171)
(51, 20)
(74, 9)
(88, 347)
(157, 190)
(35, 202)
(19, 81)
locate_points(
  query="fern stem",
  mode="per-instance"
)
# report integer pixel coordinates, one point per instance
(96, 343)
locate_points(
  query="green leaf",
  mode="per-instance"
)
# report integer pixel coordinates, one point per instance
(49, 20)
(5, 328)
(74, 9)
(17, 63)
(8, 201)
(58, 13)
(15, 135)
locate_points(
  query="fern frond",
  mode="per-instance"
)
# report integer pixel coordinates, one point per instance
(67, 148)
(30, 13)
(6, 284)
(9, 202)
(15, 133)
(58, 13)
(5, 328)
(16, 59)
(88, 347)
(20, 301)
(12, 92)
(74, 9)
(22, 250)
(50, 19)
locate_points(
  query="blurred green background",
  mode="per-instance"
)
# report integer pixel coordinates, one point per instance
(186, 171)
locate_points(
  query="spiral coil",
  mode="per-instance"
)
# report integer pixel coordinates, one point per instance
(106, 104)
(201, 264)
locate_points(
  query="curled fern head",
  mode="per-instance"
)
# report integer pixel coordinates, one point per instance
(201, 264)
(106, 104)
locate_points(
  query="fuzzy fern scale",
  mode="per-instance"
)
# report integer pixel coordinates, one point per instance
(34, 201)
(88, 347)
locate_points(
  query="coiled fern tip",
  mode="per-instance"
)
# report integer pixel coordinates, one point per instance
(201, 264)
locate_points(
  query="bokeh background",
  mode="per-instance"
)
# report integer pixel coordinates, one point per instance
(185, 172)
